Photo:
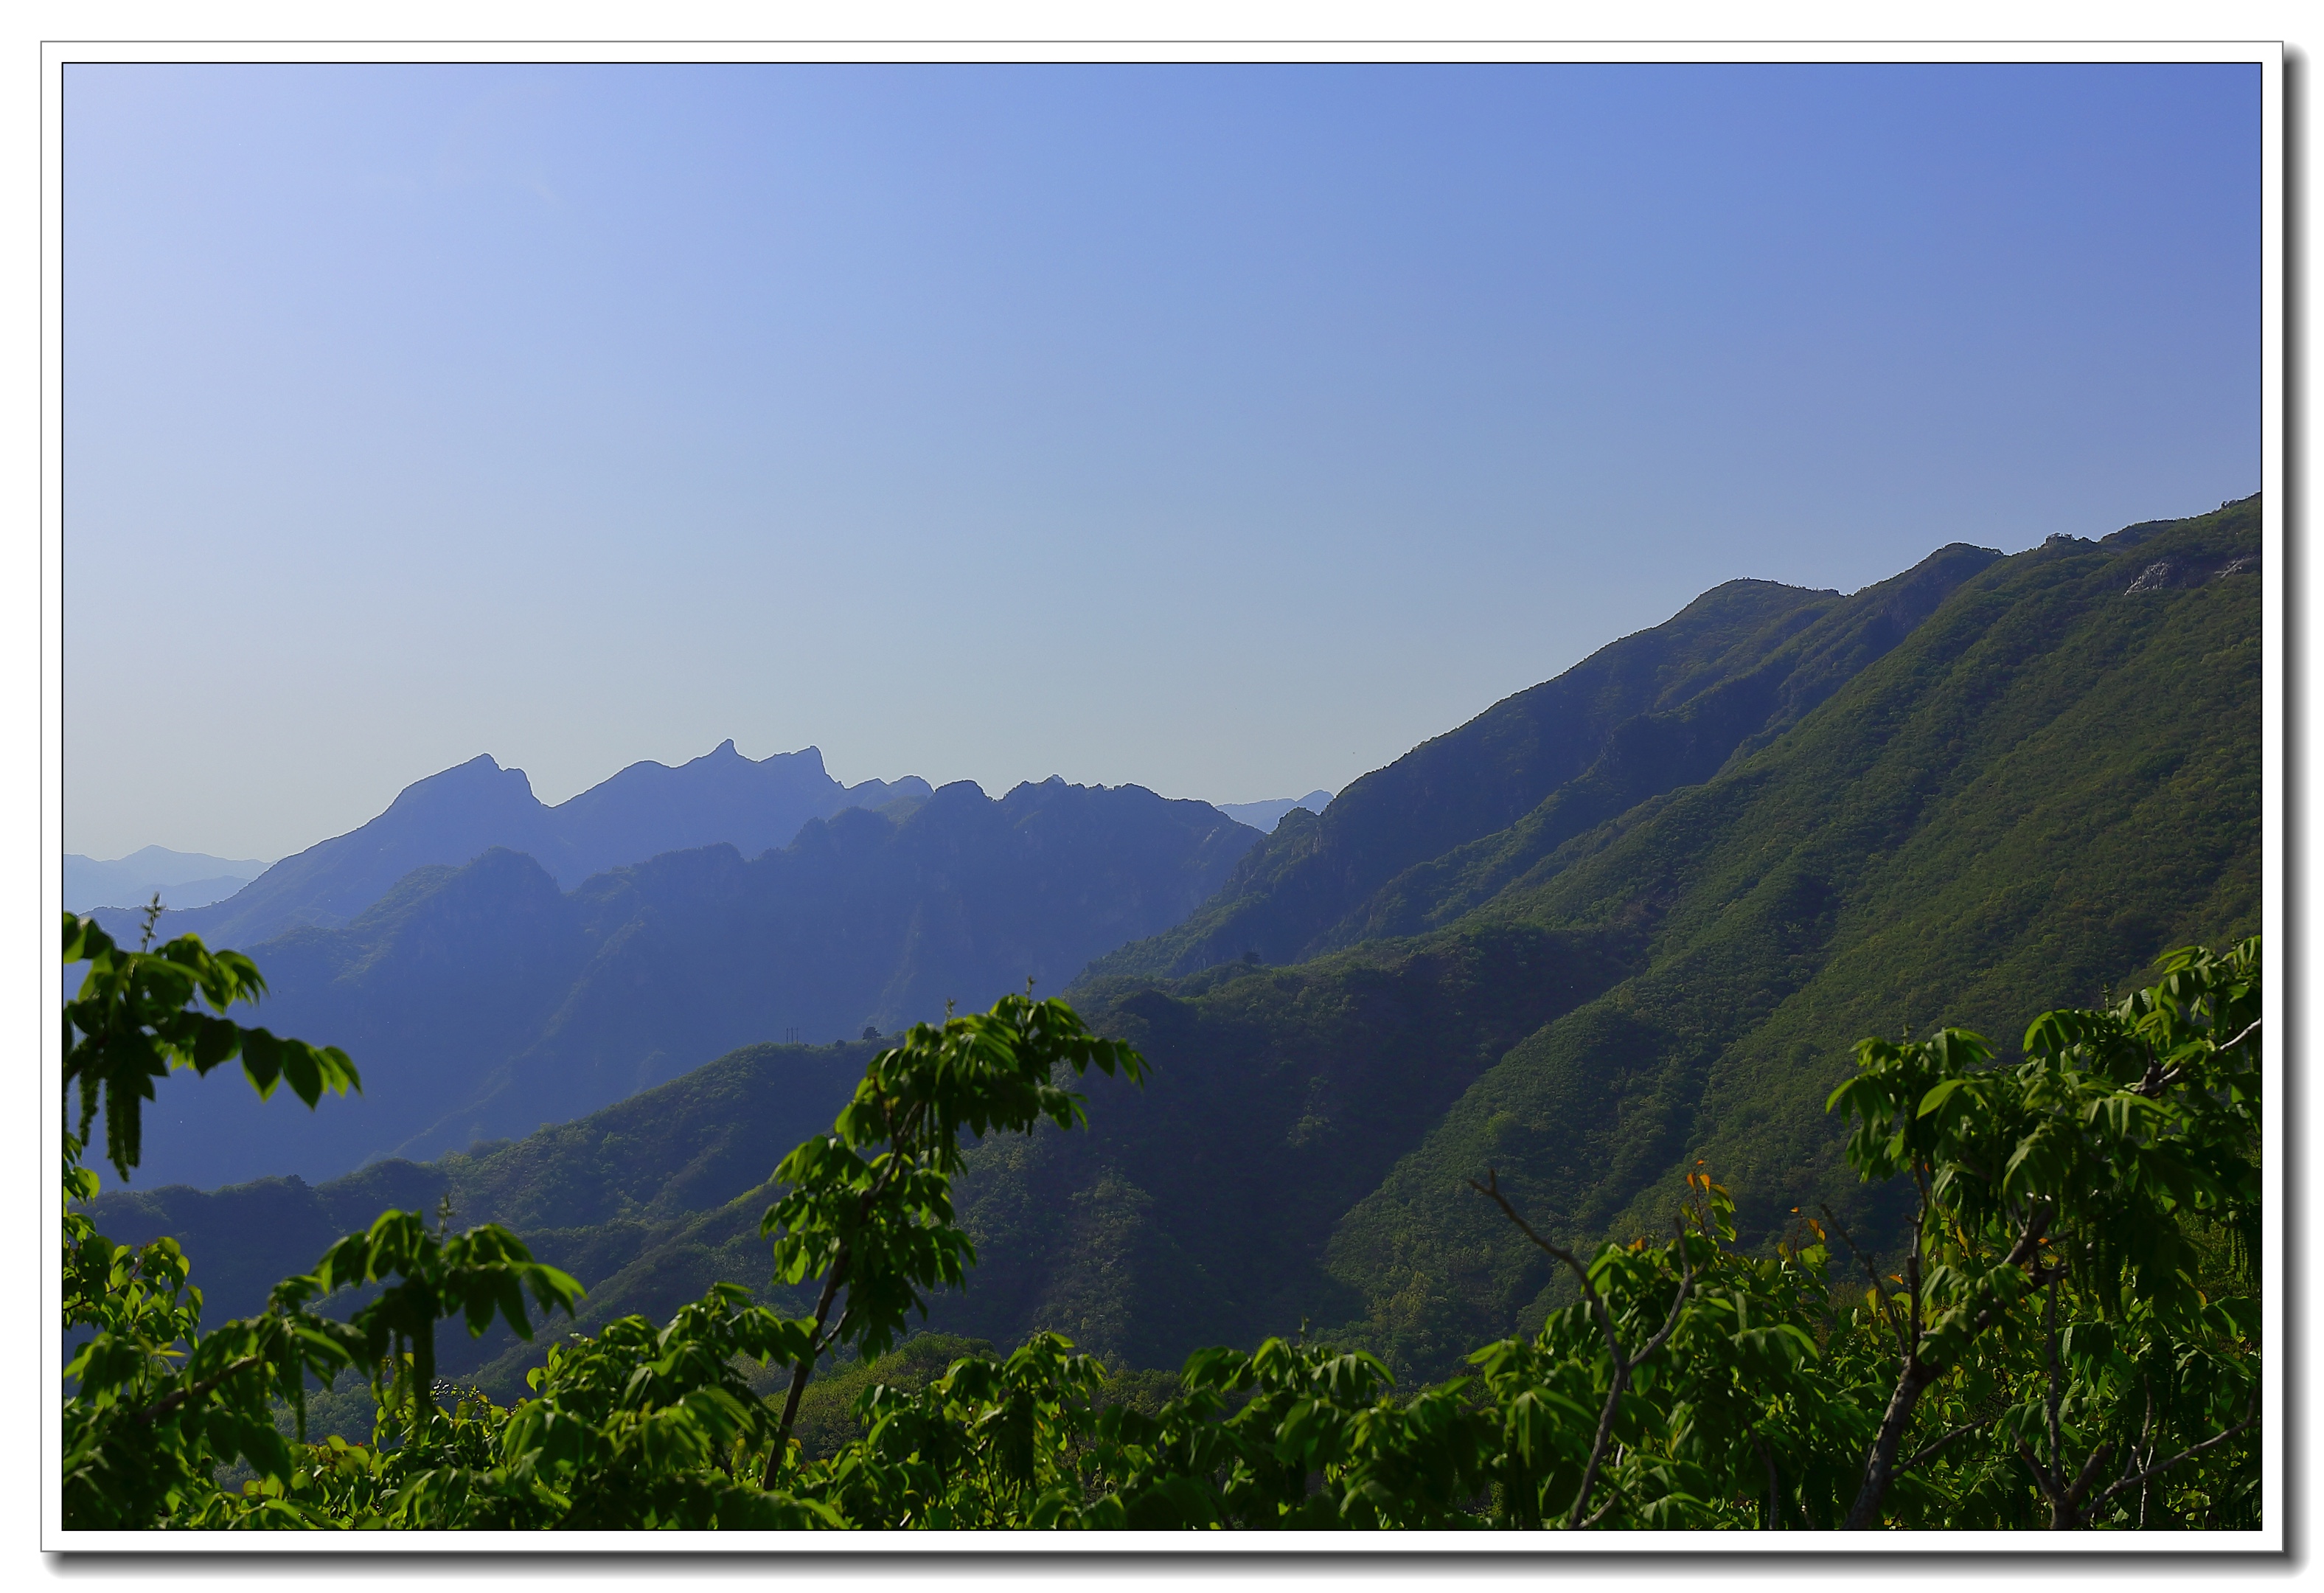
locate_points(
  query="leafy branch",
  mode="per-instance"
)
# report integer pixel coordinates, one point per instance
(1623, 1363)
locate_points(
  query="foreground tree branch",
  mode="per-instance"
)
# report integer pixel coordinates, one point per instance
(1623, 1363)
(198, 1391)
(2141, 1480)
(1915, 1377)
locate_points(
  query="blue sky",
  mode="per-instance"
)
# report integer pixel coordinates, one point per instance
(1223, 430)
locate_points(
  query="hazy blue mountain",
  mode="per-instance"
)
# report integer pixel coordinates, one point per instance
(182, 879)
(1263, 816)
(452, 817)
(481, 1001)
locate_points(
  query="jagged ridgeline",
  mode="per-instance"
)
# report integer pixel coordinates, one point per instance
(484, 1001)
(1628, 919)
(449, 818)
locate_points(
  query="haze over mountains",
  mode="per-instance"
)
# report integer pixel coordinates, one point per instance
(481, 1001)
(451, 817)
(1265, 815)
(1626, 919)
(182, 879)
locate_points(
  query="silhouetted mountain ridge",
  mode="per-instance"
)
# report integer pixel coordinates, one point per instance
(456, 815)
(481, 1001)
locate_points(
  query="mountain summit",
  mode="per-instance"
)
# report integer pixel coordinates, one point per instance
(1407, 848)
(453, 817)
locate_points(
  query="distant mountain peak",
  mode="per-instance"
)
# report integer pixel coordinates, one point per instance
(483, 767)
(1266, 815)
(451, 817)
(182, 879)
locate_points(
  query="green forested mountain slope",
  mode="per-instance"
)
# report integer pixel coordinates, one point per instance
(2052, 778)
(1296, 1089)
(1653, 711)
(2050, 783)
(1199, 1204)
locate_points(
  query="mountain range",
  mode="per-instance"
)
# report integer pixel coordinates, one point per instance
(482, 1001)
(1620, 926)
(182, 879)
(451, 817)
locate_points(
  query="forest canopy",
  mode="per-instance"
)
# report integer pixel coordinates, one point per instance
(2068, 1338)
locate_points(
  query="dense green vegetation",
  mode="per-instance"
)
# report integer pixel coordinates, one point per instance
(2063, 1348)
(640, 1201)
(2044, 786)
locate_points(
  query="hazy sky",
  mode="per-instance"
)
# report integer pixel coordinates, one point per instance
(1227, 432)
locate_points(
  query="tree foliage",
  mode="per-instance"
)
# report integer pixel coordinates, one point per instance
(2069, 1339)
(135, 1021)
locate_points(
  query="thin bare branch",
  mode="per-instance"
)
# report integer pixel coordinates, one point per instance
(2056, 1381)
(1914, 1377)
(1621, 1379)
(817, 1340)
(1621, 1496)
(2083, 1479)
(2157, 1080)
(1879, 1291)
(1773, 1519)
(1491, 1189)
(1603, 1512)
(2188, 1453)
(1620, 1382)
(1678, 1304)
(1913, 1314)
(1937, 1446)
(2030, 1237)
(2049, 1484)
(2239, 1039)
(2141, 1454)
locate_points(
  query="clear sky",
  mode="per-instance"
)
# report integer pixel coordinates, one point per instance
(1221, 431)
